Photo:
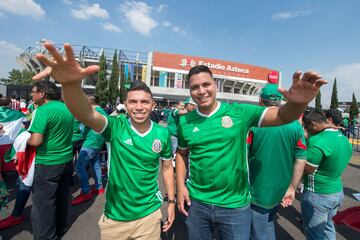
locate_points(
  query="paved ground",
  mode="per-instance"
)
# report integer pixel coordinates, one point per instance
(83, 219)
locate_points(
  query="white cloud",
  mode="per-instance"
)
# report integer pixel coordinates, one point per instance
(347, 82)
(176, 29)
(292, 14)
(111, 27)
(88, 11)
(138, 14)
(161, 7)
(8, 54)
(67, 2)
(166, 24)
(23, 8)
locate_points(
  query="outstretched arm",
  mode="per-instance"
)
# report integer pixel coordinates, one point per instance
(304, 89)
(67, 71)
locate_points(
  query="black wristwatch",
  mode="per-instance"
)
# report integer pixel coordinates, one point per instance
(171, 201)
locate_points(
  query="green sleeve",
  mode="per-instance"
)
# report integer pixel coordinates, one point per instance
(108, 129)
(166, 152)
(251, 113)
(300, 150)
(314, 156)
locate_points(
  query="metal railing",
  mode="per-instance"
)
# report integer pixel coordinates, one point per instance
(354, 138)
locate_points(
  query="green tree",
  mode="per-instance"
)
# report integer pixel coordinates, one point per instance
(334, 98)
(22, 77)
(114, 80)
(26, 77)
(14, 76)
(354, 107)
(318, 106)
(124, 85)
(101, 89)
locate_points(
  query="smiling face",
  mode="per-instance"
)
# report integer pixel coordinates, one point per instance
(203, 92)
(139, 105)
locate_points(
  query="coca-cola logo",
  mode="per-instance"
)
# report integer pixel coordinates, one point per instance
(273, 77)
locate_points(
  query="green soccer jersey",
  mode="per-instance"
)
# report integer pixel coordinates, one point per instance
(217, 153)
(132, 190)
(172, 122)
(54, 121)
(77, 131)
(329, 151)
(93, 139)
(272, 155)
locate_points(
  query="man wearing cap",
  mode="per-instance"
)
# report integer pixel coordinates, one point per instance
(133, 199)
(276, 164)
(217, 192)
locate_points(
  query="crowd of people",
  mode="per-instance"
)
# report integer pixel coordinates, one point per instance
(225, 166)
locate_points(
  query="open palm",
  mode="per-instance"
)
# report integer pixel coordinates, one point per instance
(65, 70)
(304, 88)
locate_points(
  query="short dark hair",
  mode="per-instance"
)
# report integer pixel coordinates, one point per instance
(199, 69)
(335, 115)
(4, 101)
(314, 116)
(137, 85)
(52, 92)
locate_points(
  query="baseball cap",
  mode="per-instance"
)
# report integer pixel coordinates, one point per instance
(120, 106)
(270, 92)
(190, 100)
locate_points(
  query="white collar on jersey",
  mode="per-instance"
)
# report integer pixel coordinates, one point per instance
(212, 113)
(139, 133)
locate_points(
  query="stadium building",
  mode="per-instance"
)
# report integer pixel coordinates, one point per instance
(166, 73)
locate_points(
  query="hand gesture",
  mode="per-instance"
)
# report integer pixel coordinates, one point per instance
(182, 197)
(304, 88)
(289, 197)
(170, 217)
(65, 70)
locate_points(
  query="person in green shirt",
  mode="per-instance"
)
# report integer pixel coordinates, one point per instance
(213, 139)
(51, 131)
(328, 154)
(89, 155)
(133, 199)
(276, 164)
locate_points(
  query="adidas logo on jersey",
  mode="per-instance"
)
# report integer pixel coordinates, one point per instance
(128, 141)
(195, 129)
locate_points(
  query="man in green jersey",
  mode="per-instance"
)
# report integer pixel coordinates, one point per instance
(133, 199)
(213, 139)
(51, 131)
(276, 164)
(89, 155)
(328, 153)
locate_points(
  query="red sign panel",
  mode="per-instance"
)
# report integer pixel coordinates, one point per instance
(218, 67)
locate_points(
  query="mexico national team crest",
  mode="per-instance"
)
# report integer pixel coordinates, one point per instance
(156, 147)
(226, 122)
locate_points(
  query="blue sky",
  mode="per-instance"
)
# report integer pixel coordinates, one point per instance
(287, 35)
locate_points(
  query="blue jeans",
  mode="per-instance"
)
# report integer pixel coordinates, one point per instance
(22, 195)
(317, 212)
(231, 223)
(88, 156)
(262, 223)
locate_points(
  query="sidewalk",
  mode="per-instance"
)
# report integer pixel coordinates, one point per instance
(83, 218)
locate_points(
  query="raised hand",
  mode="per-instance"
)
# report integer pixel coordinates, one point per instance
(65, 70)
(305, 87)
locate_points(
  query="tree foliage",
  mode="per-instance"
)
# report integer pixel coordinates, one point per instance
(114, 81)
(20, 77)
(101, 89)
(354, 107)
(318, 105)
(124, 85)
(334, 98)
